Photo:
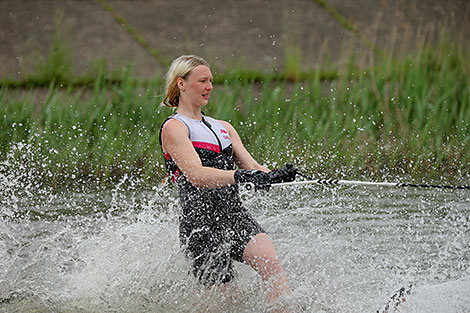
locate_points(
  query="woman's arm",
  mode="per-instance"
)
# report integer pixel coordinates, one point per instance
(175, 141)
(243, 158)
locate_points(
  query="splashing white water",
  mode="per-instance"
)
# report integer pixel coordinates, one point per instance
(344, 250)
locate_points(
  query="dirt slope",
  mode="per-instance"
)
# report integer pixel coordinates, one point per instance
(255, 33)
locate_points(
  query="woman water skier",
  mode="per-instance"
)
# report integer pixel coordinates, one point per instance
(200, 153)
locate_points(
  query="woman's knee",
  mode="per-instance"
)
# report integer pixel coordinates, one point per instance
(261, 254)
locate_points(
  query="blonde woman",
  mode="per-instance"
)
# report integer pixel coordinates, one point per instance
(200, 154)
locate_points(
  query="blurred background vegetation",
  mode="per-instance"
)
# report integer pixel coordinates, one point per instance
(364, 108)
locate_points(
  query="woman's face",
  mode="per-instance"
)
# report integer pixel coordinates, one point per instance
(197, 86)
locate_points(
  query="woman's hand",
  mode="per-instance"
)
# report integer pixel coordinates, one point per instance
(283, 175)
(260, 179)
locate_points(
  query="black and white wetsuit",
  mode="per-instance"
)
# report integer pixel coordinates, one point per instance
(214, 226)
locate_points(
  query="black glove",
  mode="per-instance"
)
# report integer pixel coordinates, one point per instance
(283, 175)
(260, 179)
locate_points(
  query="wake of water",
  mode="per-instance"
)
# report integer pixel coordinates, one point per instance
(344, 250)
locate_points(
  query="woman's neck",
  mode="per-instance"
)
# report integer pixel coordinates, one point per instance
(191, 112)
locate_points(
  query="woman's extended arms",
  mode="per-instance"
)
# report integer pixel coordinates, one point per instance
(243, 158)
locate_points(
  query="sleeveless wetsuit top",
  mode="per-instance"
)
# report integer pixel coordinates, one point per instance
(212, 143)
(210, 140)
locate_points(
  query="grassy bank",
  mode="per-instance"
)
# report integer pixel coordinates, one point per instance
(406, 118)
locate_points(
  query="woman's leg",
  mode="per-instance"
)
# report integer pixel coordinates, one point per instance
(262, 257)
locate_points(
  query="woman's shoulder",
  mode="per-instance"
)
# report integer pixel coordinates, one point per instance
(173, 124)
(226, 124)
(210, 119)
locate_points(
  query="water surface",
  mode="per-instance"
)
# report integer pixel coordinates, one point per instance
(345, 249)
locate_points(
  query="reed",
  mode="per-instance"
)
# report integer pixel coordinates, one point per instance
(403, 117)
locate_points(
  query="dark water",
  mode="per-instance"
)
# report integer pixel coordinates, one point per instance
(345, 249)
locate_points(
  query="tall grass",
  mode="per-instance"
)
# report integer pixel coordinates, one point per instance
(405, 118)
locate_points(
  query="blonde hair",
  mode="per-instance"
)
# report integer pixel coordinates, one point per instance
(180, 67)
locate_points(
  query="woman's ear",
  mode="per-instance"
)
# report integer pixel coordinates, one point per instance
(180, 83)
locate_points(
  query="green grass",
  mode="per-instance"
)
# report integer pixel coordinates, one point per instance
(404, 118)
